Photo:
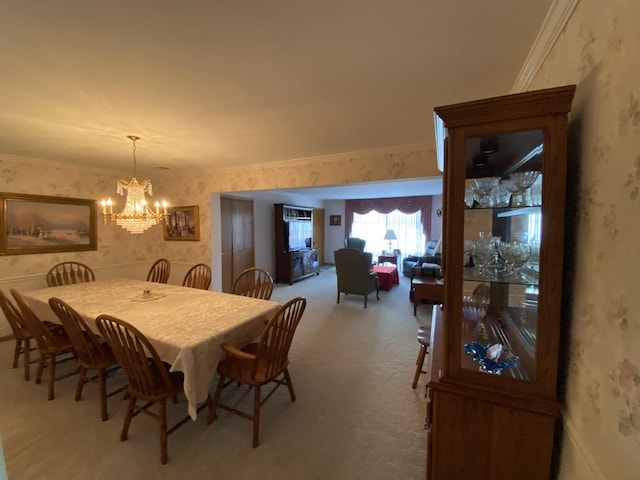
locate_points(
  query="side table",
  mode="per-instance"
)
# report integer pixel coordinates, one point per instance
(388, 258)
(426, 288)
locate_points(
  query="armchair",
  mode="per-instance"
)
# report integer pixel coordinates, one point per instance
(353, 269)
(430, 256)
(354, 242)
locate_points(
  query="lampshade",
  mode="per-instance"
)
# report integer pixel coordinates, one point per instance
(390, 235)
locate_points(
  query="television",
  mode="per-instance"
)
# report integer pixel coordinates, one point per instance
(297, 235)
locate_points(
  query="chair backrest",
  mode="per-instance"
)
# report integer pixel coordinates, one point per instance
(43, 336)
(354, 242)
(431, 248)
(14, 317)
(68, 273)
(89, 349)
(353, 269)
(159, 271)
(198, 276)
(272, 354)
(253, 282)
(145, 371)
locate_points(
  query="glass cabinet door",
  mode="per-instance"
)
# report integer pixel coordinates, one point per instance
(501, 246)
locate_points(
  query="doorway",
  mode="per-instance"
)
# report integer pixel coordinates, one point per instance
(318, 233)
(236, 237)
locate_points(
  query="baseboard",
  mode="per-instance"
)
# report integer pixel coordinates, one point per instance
(586, 460)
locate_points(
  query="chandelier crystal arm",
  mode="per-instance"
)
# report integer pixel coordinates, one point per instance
(136, 216)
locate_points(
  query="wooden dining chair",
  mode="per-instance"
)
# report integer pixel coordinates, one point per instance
(149, 378)
(260, 363)
(159, 271)
(69, 273)
(253, 282)
(54, 346)
(21, 334)
(198, 276)
(93, 353)
(424, 339)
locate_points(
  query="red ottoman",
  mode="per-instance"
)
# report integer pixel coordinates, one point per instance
(387, 276)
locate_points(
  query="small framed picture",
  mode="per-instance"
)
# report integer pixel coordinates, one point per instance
(335, 220)
(182, 224)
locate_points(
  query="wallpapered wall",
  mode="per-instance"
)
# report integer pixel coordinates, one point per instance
(599, 51)
(119, 249)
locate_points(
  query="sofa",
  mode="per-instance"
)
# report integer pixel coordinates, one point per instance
(430, 257)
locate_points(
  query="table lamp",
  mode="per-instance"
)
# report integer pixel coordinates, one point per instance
(390, 235)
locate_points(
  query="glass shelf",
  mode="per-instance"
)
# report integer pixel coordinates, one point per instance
(528, 277)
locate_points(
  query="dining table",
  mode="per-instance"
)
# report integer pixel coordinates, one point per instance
(186, 326)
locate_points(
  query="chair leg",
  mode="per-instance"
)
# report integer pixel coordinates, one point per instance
(419, 364)
(52, 376)
(162, 420)
(82, 375)
(16, 353)
(41, 361)
(365, 301)
(26, 357)
(338, 299)
(256, 415)
(127, 418)
(102, 388)
(287, 379)
(216, 399)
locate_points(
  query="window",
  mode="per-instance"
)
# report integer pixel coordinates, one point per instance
(408, 228)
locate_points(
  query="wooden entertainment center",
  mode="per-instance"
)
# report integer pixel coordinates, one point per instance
(295, 259)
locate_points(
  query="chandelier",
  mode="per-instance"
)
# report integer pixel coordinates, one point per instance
(137, 216)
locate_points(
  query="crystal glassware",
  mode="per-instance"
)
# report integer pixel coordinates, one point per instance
(482, 188)
(517, 183)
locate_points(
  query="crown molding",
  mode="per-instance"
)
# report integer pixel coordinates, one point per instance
(374, 152)
(557, 17)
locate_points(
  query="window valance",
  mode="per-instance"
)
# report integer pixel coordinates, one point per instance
(388, 205)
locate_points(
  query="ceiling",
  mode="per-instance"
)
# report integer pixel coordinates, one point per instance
(209, 84)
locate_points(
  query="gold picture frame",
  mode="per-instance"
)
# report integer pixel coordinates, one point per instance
(182, 224)
(43, 224)
(335, 220)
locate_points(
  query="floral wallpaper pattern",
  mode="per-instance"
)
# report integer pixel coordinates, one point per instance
(599, 50)
(116, 246)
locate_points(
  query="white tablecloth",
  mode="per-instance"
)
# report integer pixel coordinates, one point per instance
(185, 325)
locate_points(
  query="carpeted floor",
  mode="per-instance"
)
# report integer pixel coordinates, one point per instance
(355, 417)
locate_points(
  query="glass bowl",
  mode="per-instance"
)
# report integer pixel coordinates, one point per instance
(517, 183)
(482, 188)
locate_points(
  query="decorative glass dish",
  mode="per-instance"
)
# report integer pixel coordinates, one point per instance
(492, 358)
(147, 296)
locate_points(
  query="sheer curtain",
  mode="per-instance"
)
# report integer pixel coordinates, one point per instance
(408, 217)
(372, 227)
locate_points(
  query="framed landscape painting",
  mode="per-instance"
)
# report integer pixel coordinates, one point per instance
(182, 223)
(42, 224)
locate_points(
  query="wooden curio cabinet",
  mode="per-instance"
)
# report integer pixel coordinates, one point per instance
(492, 406)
